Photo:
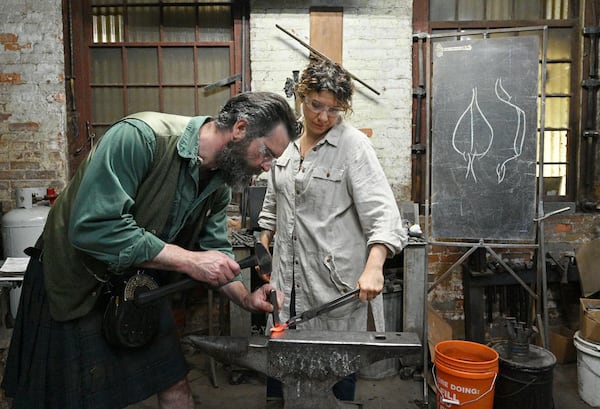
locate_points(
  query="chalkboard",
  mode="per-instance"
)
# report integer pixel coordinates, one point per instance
(483, 141)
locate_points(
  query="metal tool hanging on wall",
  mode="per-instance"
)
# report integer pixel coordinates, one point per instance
(290, 91)
(222, 82)
(324, 57)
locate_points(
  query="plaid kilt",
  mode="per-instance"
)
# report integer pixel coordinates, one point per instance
(65, 365)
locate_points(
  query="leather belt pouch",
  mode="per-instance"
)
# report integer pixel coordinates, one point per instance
(126, 324)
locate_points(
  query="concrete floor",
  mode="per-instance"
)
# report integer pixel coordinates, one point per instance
(237, 389)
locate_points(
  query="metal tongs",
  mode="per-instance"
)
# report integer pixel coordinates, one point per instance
(312, 313)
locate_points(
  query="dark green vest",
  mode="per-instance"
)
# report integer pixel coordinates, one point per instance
(73, 279)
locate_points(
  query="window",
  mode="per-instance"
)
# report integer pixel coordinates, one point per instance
(153, 55)
(563, 63)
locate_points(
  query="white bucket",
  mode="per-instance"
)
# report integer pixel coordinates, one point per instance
(588, 370)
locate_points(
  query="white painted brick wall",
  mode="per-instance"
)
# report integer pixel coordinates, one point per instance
(376, 48)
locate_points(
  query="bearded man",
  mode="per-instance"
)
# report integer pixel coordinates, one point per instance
(147, 203)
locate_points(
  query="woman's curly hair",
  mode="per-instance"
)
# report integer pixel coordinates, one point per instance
(322, 75)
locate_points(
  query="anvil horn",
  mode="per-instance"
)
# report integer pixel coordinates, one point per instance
(247, 352)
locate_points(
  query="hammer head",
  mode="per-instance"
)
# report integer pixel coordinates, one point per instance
(261, 258)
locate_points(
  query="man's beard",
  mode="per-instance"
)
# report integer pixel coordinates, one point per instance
(233, 165)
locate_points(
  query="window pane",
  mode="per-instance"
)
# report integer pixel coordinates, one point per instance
(555, 163)
(442, 10)
(498, 9)
(142, 66)
(179, 100)
(107, 24)
(559, 43)
(142, 99)
(212, 102)
(555, 146)
(526, 10)
(106, 66)
(557, 112)
(558, 78)
(557, 9)
(179, 24)
(215, 23)
(470, 10)
(555, 180)
(107, 104)
(143, 24)
(213, 64)
(178, 65)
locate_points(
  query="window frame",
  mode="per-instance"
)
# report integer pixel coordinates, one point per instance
(78, 22)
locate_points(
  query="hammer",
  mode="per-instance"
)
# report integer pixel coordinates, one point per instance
(260, 258)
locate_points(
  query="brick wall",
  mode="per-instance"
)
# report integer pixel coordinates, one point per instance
(32, 97)
(377, 41)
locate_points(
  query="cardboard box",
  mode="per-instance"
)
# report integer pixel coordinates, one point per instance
(589, 319)
(438, 329)
(588, 266)
(561, 345)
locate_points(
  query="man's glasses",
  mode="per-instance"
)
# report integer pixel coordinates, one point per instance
(266, 153)
(317, 107)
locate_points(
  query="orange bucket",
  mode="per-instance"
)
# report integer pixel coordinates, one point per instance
(465, 375)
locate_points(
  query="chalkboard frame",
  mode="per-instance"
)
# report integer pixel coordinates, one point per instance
(538, 243)
(533, 208)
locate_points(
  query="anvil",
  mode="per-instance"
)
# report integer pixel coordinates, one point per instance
(307, 362)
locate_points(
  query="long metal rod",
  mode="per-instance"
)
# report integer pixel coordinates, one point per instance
(482, 243)
(324, 57)
(483, 32)
(244, 80)
(546, 215)
(426, 212)
(542, 301)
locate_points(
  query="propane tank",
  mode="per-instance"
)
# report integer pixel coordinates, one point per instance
(21, 228)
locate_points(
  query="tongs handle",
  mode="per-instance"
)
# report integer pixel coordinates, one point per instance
(338, 302)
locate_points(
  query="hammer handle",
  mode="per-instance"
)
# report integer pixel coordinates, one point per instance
(153, 295)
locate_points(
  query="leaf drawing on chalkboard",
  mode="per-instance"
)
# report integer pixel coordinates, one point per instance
(470, 139)
(504, 96)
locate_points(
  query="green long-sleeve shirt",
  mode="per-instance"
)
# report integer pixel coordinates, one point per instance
(134, 194)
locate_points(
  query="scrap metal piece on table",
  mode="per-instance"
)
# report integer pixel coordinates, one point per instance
(308, 362)
(245, 239)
